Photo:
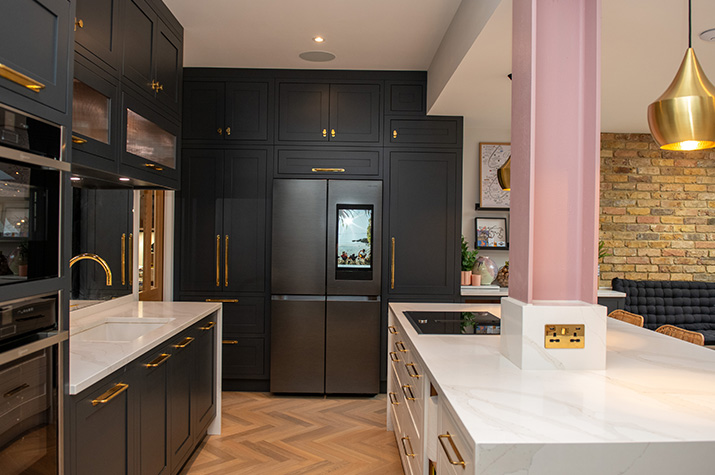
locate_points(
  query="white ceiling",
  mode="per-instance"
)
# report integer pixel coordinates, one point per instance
(643, 42)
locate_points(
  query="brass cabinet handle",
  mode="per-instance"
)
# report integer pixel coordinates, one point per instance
(400, 345)
(219, 130)
(78, 140)
(158, 360)
(230, 342)
(441, 438)
(111, 394)
(19, 78)
(404, 447)
(411, 396)
(12, 392)
(154, 167)
(131, 258)
(156, 86)
(208, 327)
(124, 258)
(412, 365)
(78, 23)
(394, 357)
(225, 264)
(218, 260)
(228, 130)
(325, 132)
(185, 342)
(393, 399)
(334, 170)
(392, 329)
(392, 266)
(223, 300)
(332, 132)
(394, 134)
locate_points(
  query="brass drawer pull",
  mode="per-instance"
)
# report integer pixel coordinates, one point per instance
(185, 342)
(230, 342)
(394, 134)
(393, 399)
(392, 329)
(218, 260)
(412, 365)
(454, 447)
(400, 345)
(111, 394)
(78, 23)
(223, 300)
(19, 78)
(392, 266)
(78, 140)
(411, 396)
(154, 166)
(12, 392)
(411, 452)
(158, 360)
(208, 327)
(394, 357)
(332, 170)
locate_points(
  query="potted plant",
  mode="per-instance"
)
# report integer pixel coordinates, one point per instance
(468, 260)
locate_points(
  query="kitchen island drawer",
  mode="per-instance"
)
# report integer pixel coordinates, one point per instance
(455, 452)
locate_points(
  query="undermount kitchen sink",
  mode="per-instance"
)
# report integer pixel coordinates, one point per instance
(121, 329)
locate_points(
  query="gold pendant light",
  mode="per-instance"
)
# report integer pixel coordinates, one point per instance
(683, 118)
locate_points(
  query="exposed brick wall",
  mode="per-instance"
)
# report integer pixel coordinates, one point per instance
(657, 211)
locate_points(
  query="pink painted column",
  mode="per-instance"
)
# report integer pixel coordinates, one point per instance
(555, 148)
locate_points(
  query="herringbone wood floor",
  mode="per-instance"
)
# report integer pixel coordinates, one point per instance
(267, 434)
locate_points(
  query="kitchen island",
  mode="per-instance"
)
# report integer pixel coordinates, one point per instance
(651, 411)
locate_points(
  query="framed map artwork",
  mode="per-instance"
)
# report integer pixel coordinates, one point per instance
(491, 157)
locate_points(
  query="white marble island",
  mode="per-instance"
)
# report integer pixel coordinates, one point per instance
(651, 411)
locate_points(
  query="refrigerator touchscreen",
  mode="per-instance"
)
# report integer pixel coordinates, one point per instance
(354, 242)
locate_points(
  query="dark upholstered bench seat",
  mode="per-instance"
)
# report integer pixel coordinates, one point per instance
(688, 305)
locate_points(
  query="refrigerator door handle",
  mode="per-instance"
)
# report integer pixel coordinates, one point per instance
(353, 298)
(392, 266)
(218, 260)
(303, 298)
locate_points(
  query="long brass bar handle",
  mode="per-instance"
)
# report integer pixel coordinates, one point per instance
(223, 300)
(411, 396)
(393, 399)
(400, 345)
(392, 329)
(158, 360)
(225, 264)
(394, 357)
(332, 170)
(218, 260)
(12, 392)
(230, 342)
(124, 258)
(208, 327)
(412, 375)
(441, 438)
(392, 266)
(404, 447)
(185, 342)
(111, 394)
(131, 258)
(19, 78)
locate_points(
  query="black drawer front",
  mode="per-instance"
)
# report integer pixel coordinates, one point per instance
(425, 131)
(245, 316)
(334, 163)
(244, 358)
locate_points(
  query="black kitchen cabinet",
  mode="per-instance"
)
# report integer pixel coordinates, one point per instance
(244, 349)
(35, 46)
(424, 191)
(429, 131)
(97, 32)
(405, 98)
(343, 113)
(222, 221)
(181, 418)
(233, 111)
(203, 395)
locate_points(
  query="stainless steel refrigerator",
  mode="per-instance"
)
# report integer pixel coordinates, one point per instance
(325, 275)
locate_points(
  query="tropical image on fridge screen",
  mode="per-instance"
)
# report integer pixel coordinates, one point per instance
(354, 237)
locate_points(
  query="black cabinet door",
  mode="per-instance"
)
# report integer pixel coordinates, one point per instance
(355, 113)
(169, 61)
(204, 104)
(200, 221)
(422, 235)
(97, 31)
(181, 374)
(34, 50)
(303, 112)
(140, 29)
(152, 375)
(433, 131)
(247, 316)
(244, 357)
(247, 111)
(204, 386)
(404, 98)
(244, 220)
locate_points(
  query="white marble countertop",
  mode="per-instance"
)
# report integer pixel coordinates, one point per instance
(655, 389)
(485, 291)
(90, 361)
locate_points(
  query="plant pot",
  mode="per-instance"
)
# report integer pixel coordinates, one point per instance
(466, 277)
(476, 279)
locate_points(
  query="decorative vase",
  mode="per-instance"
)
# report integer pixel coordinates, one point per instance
(476, 279)
(486, 268)
(466, 277)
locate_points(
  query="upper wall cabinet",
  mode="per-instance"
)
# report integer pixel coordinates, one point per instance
(153, 56)
(97, 33)
(430, 131)
(34, 52)
(231, 111)
(329, 113)
(405, 98)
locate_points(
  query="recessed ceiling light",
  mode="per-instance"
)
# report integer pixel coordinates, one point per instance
(124, 179)
(317, 56)
(318, 39)
(708, 35)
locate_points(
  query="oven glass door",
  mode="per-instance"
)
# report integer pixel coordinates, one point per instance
(29, 222)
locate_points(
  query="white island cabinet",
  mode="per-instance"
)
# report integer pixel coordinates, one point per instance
(471, 411)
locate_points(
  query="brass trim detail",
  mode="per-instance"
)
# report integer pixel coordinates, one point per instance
(325, 132)
(111, 394)
(412, 365)
(392, 266)
(218, 260)
(564, 336)
(124, 258)
(78, 23)
(131, 258)
(223, 300)
(154, 167)
(334, 170)
(98, 260)
(12, 392)
(332, 132)
(393, 399)
(441, 438)
(392, 329)
(185, 342)
(219, 130)
(225, 263)
(228, 130)
(78, 140)
(394, 134)
(230, 342)
(208, 327)
(404, 447)
(405, 388)
(19, 78)
(399, 344)
(158, 360)
(394, 358)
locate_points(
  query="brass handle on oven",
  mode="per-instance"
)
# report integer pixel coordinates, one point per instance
(230, 342)
(218, 260)
(392, 329)
(393, 399)
(411, 396)
(400, 345)
(111, 394)
(223, 300)
(131, 258)
(19, 78)
(404, 446)
(158, 360)
(394, 357)
(12, 392)
(154, 166)
(124, 258)
(441, 438)
(412, 365)
(225, 264)
(208, 327)
(185, 342)
(392, 266)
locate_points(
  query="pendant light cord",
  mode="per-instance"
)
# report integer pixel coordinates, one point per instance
(690, 23)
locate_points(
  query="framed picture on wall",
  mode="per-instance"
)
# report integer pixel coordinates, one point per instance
(491, 157)
(491, 233)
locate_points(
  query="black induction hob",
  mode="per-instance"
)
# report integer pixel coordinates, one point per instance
(454, 323)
